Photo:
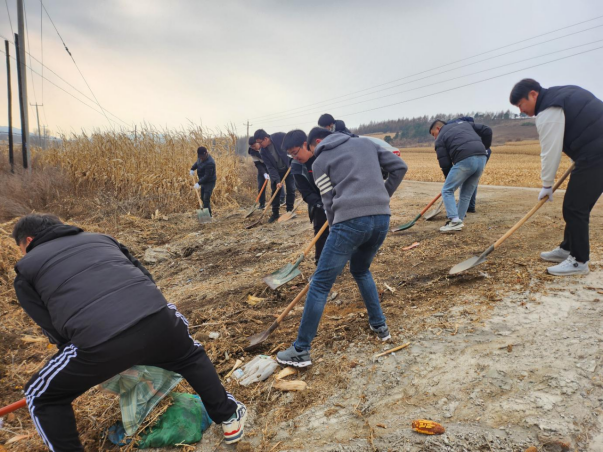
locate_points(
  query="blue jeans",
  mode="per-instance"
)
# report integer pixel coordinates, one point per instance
(472, 202)
(464, 174)
(356, 240)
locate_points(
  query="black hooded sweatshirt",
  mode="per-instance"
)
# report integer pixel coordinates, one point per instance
(83, 288)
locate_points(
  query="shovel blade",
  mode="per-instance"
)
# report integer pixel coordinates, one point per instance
(256, 340)
(407, 225)
(282, 276)
(254, 224)
(466, 265)
(288, 216)
(253, 209)
(433, 214)
(203, 216)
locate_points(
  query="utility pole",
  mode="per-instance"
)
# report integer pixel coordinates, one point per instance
(38, 116)
(11, 157)
(248, 125)
(23, 87)
(23, 106)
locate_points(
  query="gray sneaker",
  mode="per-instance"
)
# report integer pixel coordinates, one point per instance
(382, 332)
(291, 357)
(557, 255)
(452, 226)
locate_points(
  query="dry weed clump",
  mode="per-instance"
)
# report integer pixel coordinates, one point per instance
(150, 171)
(515, 164)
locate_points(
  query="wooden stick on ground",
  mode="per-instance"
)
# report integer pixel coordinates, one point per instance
(391, 350)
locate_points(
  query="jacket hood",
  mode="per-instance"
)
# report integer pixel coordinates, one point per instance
(53, 232)
(331, 142)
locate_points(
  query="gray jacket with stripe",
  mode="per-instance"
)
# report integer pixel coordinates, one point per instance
(347, 171)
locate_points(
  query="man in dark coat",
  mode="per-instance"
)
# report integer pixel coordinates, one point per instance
(102, 309)
(461, 151)
(206, 171)
(300, 147)
(254, 152)
(328, 122)
(569, 119)
(276, 160)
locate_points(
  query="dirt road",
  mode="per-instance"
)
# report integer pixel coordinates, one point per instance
(503, 368)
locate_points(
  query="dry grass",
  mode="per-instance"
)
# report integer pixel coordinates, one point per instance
(515, 164)
(114, 172)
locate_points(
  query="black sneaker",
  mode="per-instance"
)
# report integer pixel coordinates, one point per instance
(273, 218)
(262, 207)
(471, 211)
(382, 332)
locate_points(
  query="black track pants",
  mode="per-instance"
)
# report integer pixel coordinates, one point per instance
(290, 186)
(160, 340)
(206, 191)
(583, 190)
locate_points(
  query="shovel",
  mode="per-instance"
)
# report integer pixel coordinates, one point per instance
(257, 200)
(12, 407)
(203, 215)
(435, 212)
(412, 223)
(269, 203)
(476, 260)
(290, 215)
(257, 339)
(290, 271)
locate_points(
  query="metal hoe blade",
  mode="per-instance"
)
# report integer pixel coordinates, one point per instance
(283, 275)
(288, 216)
(407, 225)
(253, 209)
(437, 210)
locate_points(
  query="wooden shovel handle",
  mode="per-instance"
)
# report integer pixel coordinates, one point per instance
(198, 197)
(534, 209)
(292, 304)
(269, 203)
(262, 190)
(315, 239)
(432, 202)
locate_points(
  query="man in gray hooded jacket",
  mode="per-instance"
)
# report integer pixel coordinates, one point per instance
(347, 171)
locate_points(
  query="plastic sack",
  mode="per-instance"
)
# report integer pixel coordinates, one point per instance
(183, 423)
(258, 369)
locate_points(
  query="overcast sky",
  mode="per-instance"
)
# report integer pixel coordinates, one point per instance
(223, 62)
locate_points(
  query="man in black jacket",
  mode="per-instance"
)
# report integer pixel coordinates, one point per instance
(254, 152)
(276, 160)
(301, 148)
(206, 171)
(102, 309)
(461, 151)
(328, 122)
(569, 119)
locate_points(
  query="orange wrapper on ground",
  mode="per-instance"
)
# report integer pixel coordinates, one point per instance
(427, 427)
(410, 247)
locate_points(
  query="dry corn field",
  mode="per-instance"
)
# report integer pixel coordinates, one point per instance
(513, 164)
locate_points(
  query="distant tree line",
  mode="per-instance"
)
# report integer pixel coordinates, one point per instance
(416, 130)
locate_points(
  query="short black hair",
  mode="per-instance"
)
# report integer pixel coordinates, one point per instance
(201, 150)
(522, 89)
(317, 133)
(435, 123)
(294, 139)
(260, 134)
(251, 141)
(31, 225)
(326, 120)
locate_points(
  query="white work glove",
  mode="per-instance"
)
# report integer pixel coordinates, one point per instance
(544, 192)
(266, 176)
(192, 172)
(197, 186)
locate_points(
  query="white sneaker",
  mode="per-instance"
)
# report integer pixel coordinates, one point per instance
(557, 255)
(234, 428)
(452, 226)
(569, 267)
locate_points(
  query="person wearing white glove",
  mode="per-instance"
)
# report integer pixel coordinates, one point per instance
(192, 172)
(569, 119)
(266, 176)
(197, 186)
(206, 170)
(262, 171)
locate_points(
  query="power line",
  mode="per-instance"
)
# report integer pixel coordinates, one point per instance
(432, 69)
(62, 89)
(433, 75)
(66, 82)
(461, 86)
(445, 81)
(77, 67)
(9, 19)
(42, 51)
